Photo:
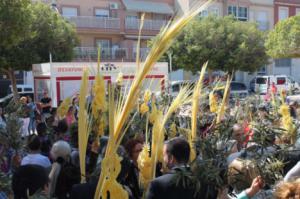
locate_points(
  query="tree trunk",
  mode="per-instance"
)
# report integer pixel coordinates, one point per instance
(11, 74)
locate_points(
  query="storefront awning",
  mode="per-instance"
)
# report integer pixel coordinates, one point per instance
(147, 6)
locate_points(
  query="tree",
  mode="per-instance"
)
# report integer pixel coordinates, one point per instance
(284, 40)
(48, 33)
(229, 45)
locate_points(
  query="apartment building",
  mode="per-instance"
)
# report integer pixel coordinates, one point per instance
(284, 9)
(114, 25)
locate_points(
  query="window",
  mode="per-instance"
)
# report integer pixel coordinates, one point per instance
(234, 86)
(69, 12)
(214, 11)
(297, 11)
(281, 80)
(105, 48)
(261, 80)
(262, 20)
(203, 13)
(176, 88)
(27, 89)
(262, 71)
(283, 62)
(102, 13)
(283, 13)
(104, 43)
(241, 13)
(232, 11)
(132, 15)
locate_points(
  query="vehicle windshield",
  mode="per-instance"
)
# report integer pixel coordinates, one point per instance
(237, 86)
(261, 80)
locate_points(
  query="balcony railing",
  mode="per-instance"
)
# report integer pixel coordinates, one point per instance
(108, 54)
(263, 25)
(95, 22)
(134, 24)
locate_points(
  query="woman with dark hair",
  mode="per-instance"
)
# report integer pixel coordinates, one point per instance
(30, 180)
(134, 147)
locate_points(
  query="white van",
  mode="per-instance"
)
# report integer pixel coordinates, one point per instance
(264, 83)
(23, 90)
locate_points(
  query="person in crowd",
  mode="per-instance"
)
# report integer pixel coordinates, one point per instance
(75, 104)
(256, 186)
(29, 180)
(32, 110)
(293, 174)
(74, 144)
(238, 136)
(46, 106)
(87, 190)
(176, 153)
(2, 118)
(293, 109)
(70, 117)
(34, 154)
(63, 174)
(262, 112)
(288, 190)
(134, 148)
(25, 116)
(61, 130)
(46, 144)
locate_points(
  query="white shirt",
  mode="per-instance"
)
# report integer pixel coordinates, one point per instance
(36, 159)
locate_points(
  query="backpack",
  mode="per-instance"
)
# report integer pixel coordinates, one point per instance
(69, 175)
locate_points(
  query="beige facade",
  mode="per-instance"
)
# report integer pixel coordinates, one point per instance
(114, 25)
(258, 11)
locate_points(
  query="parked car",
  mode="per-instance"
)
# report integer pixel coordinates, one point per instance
(177, 85)
(238, 90)
(23, 90)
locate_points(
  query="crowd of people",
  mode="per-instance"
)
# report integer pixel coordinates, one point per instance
(49, 164)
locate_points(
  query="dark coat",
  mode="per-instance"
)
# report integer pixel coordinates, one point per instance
(166, 186)
(87, 190)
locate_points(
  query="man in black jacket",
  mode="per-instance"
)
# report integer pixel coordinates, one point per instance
(172, 185)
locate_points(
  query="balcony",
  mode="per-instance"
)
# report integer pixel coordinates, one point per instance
(263, 25)
(108, 54)
(95, 22)
(134, 24)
